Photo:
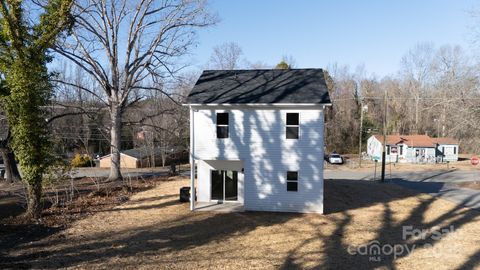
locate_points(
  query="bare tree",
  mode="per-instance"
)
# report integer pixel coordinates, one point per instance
(416, 69)
(129, 48)
(258, 65)
(290, 60)
(11, 170)
(226, 56)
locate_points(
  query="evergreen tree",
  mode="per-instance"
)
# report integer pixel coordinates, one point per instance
(282, 65)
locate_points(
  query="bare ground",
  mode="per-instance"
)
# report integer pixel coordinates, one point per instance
(154, 230)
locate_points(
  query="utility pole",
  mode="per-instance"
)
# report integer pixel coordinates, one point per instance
(360, 135)
(385, 103)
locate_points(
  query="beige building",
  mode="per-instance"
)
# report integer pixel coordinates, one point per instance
(144, 157)
(135, 158)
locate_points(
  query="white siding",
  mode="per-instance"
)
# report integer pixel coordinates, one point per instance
(428, 156)
(374, 148)
(257, 137)
(204, 173)
(451, 151)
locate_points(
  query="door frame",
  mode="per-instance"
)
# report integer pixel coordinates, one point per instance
(223, 179)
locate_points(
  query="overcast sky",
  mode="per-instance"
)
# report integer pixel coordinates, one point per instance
(373, 33)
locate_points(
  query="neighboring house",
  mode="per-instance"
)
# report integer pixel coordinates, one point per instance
(142, 157)
(257, 138)
(447, 149)
(411, 148)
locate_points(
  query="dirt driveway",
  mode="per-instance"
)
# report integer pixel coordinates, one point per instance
(154, 230)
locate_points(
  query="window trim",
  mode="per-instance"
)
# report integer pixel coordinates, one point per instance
(222, 125)
(292, 181)
(292, 126)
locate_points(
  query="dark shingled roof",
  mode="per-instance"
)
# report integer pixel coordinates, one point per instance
(266, 86)
(140, 153)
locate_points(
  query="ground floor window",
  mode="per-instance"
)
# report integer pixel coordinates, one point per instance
(292, 181)
(224, 185)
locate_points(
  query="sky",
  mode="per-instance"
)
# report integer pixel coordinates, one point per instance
(318, 33)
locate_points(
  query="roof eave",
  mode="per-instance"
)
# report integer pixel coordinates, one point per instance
(257, 104)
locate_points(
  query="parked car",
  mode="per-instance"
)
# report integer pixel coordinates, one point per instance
(335, 159)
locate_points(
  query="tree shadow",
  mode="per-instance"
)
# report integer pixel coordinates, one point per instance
(338, 250)
(184, 233)
(192, 231)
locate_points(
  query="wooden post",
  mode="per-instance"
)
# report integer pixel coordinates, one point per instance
(390, 170)
(384, 135)
(360, 136)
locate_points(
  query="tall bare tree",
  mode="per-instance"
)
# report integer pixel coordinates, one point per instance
(416, 69)
(131, 47)
(226, 56)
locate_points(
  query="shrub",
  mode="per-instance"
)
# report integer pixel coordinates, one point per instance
(81, 161)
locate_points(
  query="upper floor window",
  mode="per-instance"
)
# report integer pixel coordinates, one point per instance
(293, 125)
(292, 181)
(222, 125)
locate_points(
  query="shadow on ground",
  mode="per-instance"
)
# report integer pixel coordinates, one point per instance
(191, 231)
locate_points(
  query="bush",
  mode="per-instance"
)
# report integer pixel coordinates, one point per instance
(81, 161)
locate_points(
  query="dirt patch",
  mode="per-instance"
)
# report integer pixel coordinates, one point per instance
(154, 230)
(86, 200)
(11, 201)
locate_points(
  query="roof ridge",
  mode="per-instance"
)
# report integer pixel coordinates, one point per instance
(263, 69)
(260, 86)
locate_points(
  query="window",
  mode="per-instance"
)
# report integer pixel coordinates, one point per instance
(401, 150)
(292, 181)
(454, 150)
(388, 149)
(222, 125)
(293, 125)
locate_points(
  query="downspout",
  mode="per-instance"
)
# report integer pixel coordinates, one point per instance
(192, 160)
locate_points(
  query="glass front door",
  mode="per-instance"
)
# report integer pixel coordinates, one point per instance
(224, 185)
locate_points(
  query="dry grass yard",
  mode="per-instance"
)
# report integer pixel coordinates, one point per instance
(154, 230)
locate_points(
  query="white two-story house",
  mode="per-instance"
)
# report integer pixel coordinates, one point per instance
(257, 139)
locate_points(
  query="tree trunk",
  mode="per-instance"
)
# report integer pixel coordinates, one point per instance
(164, 157)
(11, 170)
(416, 115)
(34, 206)
(115, 136)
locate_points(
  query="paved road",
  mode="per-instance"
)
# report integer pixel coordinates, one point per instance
(462, 196)
(145, 172)
(439, 183)
(445, 176)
